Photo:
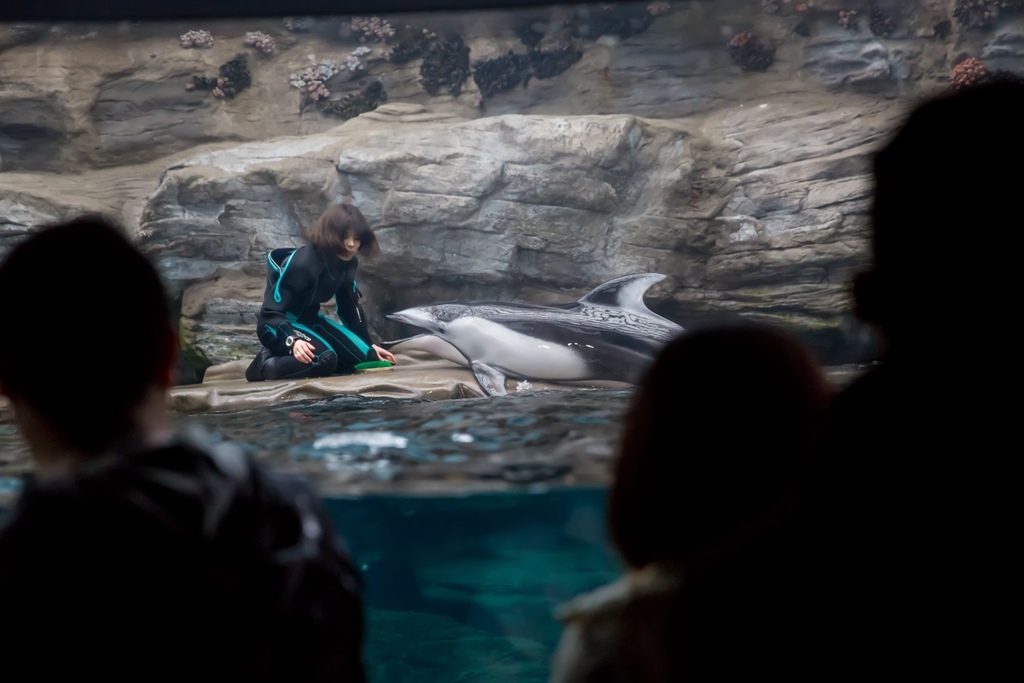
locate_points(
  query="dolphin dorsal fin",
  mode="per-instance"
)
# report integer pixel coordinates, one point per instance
(623, 292)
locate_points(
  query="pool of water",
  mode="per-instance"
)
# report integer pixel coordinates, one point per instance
(471, 520)
(351, 445)
(463, 589)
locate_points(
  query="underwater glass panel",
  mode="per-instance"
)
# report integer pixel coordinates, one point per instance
(512, 163)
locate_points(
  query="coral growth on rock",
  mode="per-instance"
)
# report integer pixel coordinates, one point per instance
(968, 72)
(593, 21)
(372, 28)
(983, 13)
(298, 24)
(371, 97)
(750, 53)
(411, 43)
(445, 66)
(201, 39)
(554, 58)
(261, 41)
(848, 19)
(312, 80)
(972, 71)
(881, 23)
(352, 62)
(234, 78)
(501, 74)
(659, 7)
(529, 35)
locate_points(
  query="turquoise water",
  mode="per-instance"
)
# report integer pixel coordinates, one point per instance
(462, 589)
(471, 520)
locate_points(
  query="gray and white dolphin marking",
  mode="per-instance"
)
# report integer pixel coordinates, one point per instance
(609, 334)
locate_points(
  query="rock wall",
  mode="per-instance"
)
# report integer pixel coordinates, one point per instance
(654, 150)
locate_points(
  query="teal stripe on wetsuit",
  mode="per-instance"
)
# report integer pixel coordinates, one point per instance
(357, 342)
(299, 326)
(349, 334)
(277, 287)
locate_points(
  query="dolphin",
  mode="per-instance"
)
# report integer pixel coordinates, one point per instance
(608, 334)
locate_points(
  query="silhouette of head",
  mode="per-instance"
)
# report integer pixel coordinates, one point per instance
(945, 218)
(87, 330)
(717, 429)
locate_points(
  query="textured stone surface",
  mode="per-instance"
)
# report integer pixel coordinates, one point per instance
(652, 152)
(740, 217)
(32, 131)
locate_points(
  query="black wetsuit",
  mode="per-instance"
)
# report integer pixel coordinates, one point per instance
(298, 281)
(188, 561)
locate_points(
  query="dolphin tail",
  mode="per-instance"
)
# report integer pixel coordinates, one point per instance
(624, 292)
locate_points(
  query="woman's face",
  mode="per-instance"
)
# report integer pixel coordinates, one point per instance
(352, 244)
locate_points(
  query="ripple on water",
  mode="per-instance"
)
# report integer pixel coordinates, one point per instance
(447, 445)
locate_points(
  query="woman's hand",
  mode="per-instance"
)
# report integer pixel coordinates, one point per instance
(303, 351)
(385, 355)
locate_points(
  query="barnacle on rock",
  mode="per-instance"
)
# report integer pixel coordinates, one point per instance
(983, 13)
(501, 74)
(411, 43)
(235, 75)
(194, 38)
(750, 53)
(553, 59)
(529, 35)
(406, 51)
(445, 66)
(234, 78)
(202, 83)
(261, 41)
(847, 19)
(881, 23)
(371, 97)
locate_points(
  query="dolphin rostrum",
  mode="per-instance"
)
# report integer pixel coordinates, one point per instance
(609, 334)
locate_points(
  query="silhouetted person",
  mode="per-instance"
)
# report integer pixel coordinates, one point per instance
(910, 519)
(135, 553)
(715, 442)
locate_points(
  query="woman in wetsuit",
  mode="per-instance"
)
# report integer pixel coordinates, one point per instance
(298, 340)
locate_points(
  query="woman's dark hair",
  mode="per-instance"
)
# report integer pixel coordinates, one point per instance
(336, 223)
(89, 328)
(718, 428)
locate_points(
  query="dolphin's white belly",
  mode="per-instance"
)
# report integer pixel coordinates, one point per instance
(514, 352)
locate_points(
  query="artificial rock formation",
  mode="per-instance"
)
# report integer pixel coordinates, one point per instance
(539, 207)
(652, 151)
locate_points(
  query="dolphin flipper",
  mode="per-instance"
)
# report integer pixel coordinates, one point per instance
(624, 292)
(491, 380)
